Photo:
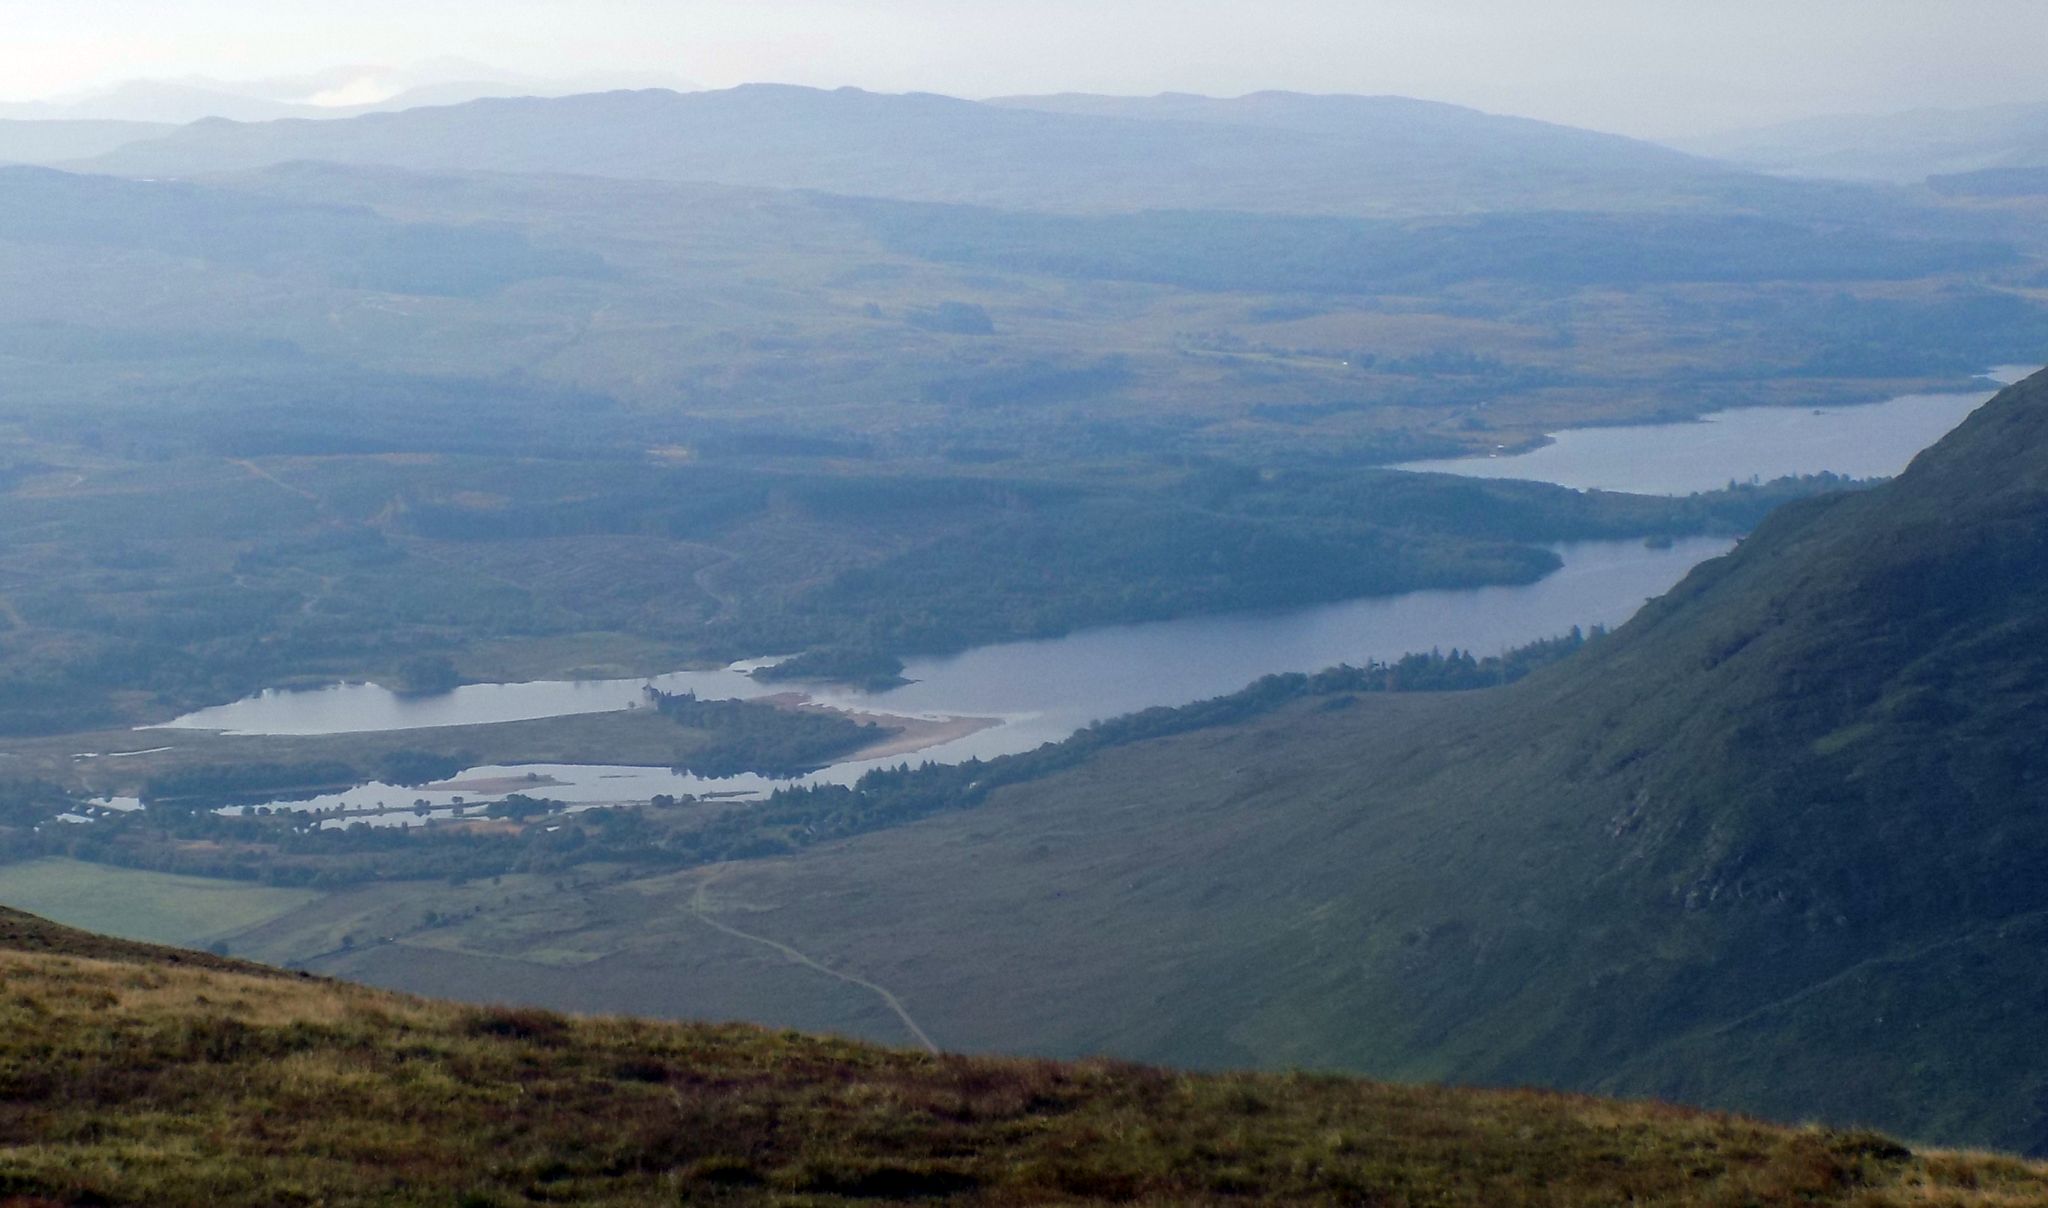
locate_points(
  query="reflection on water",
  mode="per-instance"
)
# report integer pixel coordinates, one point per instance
(350, 708)
(1048, 689)
(1040, 691)
(1751, 443)
(581, 786)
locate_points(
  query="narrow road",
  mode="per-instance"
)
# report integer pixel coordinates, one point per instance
(728, 604)
(325, 590)
(274, 480)
(700, 905)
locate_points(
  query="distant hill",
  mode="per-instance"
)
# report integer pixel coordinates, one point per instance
(1901, 148)
(56, 142)
(343, 245)
(172, 102)
(1388, 125)
(1314, 155)
(132, 1074)
(1776, 844)
(1993, 183)
(335, 92)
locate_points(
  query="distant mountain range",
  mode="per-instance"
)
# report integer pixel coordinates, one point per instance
(338, 92)
(46, 142)
(1373, 137)
(1273, 152)
(1901, 148)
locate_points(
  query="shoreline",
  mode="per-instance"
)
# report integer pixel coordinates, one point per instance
(913, 734)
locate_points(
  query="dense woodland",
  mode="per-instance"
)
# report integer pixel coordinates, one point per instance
(751, 737)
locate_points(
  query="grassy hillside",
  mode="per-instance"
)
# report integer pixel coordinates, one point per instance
(131, 1074)
(1774, 845)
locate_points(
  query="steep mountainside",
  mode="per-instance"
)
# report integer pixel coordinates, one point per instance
(131, 1074)
(1777, 844)
(1320, 155)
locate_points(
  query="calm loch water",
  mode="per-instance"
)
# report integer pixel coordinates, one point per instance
(1762, 443)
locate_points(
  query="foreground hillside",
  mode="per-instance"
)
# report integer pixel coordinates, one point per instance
(132, 1074)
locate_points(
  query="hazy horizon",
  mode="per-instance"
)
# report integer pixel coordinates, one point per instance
(1605, 64)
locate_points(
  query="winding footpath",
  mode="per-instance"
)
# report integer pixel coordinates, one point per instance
(700, 905)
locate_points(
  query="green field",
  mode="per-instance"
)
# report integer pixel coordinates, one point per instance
(139, 905)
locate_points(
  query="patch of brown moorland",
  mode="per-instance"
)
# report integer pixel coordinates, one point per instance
(133, 1074)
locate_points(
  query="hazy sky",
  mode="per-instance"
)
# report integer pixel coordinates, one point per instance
(1644, 67)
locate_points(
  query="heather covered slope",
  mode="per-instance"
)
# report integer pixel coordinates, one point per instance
(131, 1074)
